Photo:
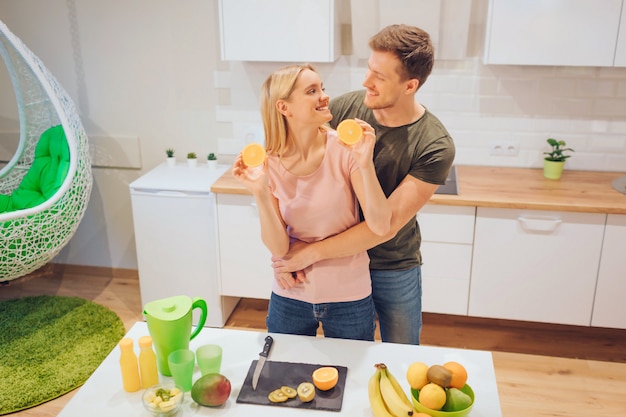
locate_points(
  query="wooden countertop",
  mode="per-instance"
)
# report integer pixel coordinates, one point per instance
(522, 188)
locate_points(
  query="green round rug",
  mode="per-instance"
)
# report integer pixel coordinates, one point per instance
(50, 345)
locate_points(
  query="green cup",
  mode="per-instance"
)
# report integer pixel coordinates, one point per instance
(209, 359)
(181, 363)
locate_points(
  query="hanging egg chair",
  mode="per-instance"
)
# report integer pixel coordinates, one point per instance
(45, 186)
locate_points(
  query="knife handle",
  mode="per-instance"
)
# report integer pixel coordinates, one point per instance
(267, 346)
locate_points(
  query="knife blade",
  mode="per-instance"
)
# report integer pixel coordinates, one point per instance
(262, 358)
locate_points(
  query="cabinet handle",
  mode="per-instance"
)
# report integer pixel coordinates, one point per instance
(541, 224)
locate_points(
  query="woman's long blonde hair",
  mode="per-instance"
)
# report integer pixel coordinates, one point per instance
(278, 86)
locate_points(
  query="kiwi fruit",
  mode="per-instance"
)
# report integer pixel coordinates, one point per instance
(439, 375)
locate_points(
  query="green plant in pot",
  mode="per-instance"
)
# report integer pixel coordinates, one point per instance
(212, 161)
(192, 159)
(554, 161)
(171, 160)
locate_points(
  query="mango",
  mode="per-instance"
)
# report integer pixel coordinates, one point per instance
(211, 390)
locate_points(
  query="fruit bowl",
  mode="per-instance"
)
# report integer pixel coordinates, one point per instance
(440, 413)
(163, 400)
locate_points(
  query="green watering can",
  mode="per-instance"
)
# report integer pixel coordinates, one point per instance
(169, 324)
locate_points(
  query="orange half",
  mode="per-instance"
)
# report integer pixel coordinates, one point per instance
(349, 131)
(253, 155)
(325, 378)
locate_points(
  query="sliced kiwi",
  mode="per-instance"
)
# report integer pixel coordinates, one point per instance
(306, 392)
(289, 392)
(277, 396)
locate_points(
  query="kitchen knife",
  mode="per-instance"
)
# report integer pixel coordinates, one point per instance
(262, 358)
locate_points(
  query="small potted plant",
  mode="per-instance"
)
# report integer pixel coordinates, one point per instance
(171, 159)
(554, 161)
(192, 159)
(212, 161)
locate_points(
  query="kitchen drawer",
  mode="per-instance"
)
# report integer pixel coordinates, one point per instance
(451, 224)
(535, 265)
(245, 262)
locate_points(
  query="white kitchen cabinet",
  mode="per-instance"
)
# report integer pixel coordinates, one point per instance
(553, 32)
(535, 265)
(609, 309)
(245, 262)
(447, 241)
(280, 30)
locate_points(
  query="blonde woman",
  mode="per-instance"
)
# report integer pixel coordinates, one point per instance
(311, 188)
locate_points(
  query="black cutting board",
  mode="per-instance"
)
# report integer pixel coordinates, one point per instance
(276, 374)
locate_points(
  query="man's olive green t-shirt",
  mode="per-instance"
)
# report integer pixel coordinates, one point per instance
(422, 149)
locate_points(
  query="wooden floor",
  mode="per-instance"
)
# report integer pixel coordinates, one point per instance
(119, 291)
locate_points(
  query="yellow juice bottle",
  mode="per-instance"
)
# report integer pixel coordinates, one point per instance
(129, 365)
(147, 363)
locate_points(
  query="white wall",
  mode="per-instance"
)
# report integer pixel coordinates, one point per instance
(146, 75)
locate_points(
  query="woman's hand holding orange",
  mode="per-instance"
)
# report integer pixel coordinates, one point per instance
(363, 150)
(242, 173)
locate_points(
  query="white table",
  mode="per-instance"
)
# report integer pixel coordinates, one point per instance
(103, 395)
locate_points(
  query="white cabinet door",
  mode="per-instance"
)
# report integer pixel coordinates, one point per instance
(609, 309)
(245, 262)
(280, 30)
(552, 32)
(447, 238)
(535, 265)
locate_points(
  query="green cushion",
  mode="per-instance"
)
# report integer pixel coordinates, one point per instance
(46, 174)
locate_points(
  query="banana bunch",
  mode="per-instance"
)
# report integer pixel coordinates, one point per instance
(387, 399)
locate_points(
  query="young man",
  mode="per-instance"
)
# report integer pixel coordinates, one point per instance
(412, 156)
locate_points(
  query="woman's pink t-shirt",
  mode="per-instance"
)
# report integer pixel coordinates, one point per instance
(317, 206)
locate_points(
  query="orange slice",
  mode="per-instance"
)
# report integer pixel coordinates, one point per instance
(325, 378)
(349, 131)
(253, 155)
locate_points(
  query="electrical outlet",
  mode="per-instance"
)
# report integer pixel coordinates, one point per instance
(504, 148)
(249, 132)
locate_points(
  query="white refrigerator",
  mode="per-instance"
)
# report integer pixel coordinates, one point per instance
(175, 224)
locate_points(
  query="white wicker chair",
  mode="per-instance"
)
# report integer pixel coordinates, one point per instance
(31, 237)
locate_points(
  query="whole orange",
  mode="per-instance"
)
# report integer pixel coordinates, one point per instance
(459, 374)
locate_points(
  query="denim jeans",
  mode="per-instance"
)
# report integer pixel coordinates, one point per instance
(398, 301)
(343, 320)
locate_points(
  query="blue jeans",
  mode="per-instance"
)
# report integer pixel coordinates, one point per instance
(343, 320)
(398, 300)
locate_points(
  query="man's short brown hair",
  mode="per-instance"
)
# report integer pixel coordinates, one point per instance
(411, 45)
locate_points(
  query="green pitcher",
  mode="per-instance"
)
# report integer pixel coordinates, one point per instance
(169, 323)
